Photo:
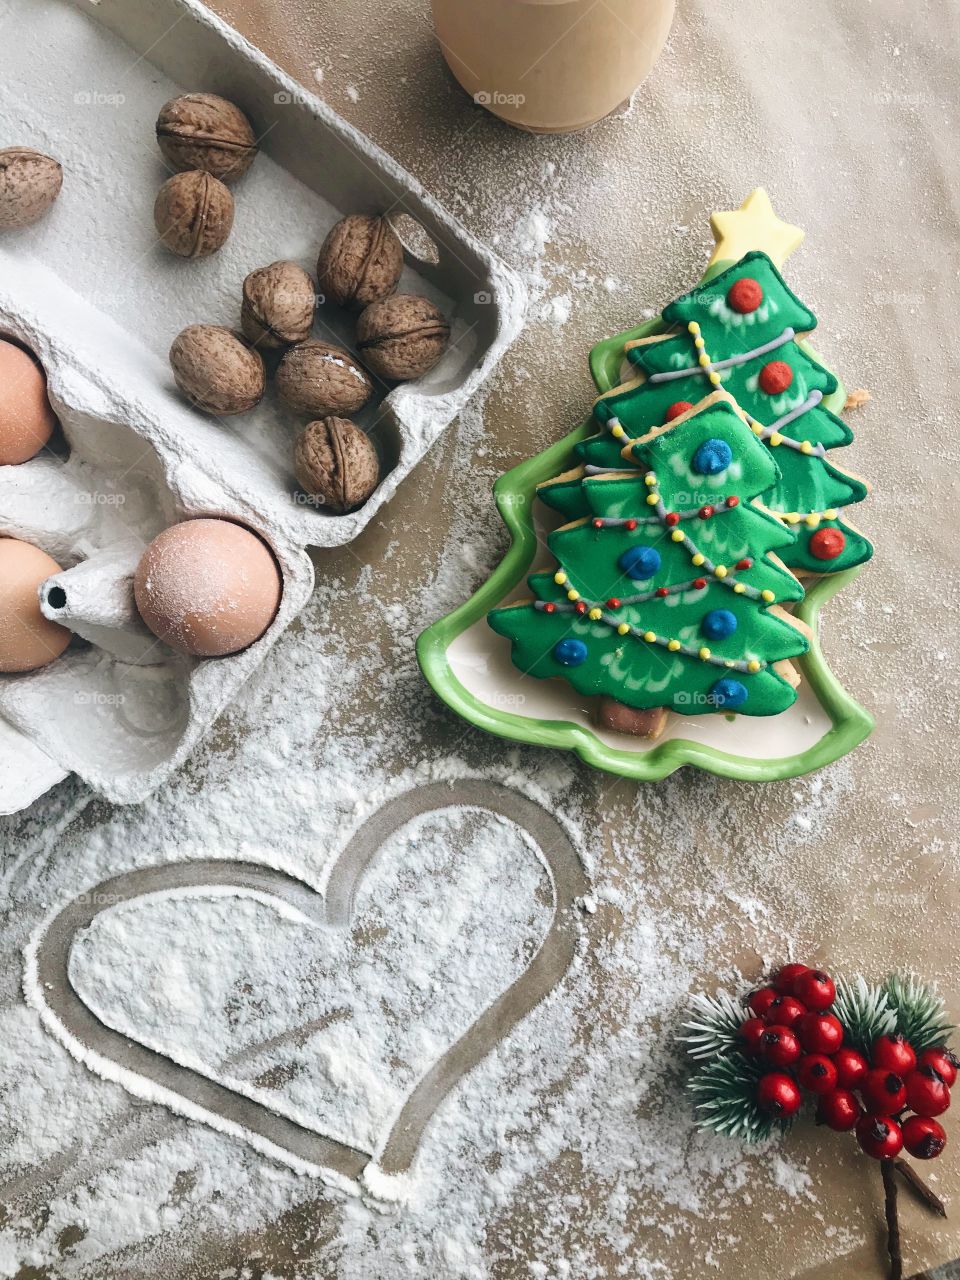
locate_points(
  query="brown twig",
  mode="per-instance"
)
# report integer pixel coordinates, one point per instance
(920, 1188)
(893, 1222)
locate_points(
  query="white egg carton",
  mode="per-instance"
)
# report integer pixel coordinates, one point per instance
(90, 291)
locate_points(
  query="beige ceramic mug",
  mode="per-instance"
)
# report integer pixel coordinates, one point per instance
(551, 66)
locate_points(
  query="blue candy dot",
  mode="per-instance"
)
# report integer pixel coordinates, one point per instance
(570, 652)
(718, 624)
(712, 457)
(728, 694)
(640, 562)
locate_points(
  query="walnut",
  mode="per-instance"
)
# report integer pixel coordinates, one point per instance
(360, 261)
(202, 131)
(336, 463)
(216, 369)
(402, 337)
(193, 214)
(316, 378)
(29, 184)
(278, 305)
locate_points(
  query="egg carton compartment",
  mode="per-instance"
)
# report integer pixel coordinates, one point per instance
(92, 294)
(118, 707)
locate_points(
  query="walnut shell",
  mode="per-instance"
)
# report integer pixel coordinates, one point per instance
(193, 214)
(402, 337)
(336, 463)
(216, 369)
(318, 379)
(204, 131)
(360, 261)
(29, 184)
(278, 305)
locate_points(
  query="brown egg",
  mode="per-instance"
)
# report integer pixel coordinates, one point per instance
(27, 639)
(208, 587)
(26, 418)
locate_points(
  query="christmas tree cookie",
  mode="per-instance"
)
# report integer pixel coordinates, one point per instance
(741, 331)
(666, 595)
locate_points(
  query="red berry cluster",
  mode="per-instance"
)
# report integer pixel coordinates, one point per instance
(793, 1033)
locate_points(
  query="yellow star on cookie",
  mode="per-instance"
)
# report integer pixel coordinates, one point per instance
(753, 226)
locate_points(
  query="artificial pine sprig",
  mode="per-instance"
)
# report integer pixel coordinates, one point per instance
(873, 1055)
(714, 1025)
(917, 1010)
(864, 1010)
(725, 1090)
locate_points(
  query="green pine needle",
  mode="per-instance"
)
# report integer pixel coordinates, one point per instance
(865, 1012)
(726, 1100)
(714, 1025)
(918, 1011)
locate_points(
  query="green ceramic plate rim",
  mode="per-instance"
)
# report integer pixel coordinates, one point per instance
(515, 494)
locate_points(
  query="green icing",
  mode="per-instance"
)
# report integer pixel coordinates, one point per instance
(646, 674)
(805, 482)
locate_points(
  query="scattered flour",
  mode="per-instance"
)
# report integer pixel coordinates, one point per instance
(569, 1151)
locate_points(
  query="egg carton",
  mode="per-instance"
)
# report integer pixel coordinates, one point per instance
(90, 291)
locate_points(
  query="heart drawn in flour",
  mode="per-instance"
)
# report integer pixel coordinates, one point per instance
(190, 1091)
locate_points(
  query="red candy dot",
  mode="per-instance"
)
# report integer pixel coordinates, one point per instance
(744, 564)
(699, 583)
(580, 607)
(745, 295)
(662, 591)
(671, 518)
(613, 603)
(706, 512)
(598, 524)
(631, 525)
(733, 502)
(676, 409)
(826, 544)
(775, 377)
(549, 608)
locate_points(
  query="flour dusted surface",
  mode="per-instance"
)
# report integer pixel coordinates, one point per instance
(568, 1154)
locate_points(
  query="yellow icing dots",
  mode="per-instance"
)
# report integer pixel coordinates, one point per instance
(595, 615)
(715, 379)
(753, 665)
(811, 519)
(698, 343)
(806, 446)
(693, 328)
(673, 645)
(649, 479)
(678, 535)
(739, 588)
(776, 439)
(720, 571)
(623, 629)
(705, 653)
(653, 499)
(573, 594)
(618, 432)
(559, 577)
(767, 595)
(756, 427)
(703, 360)
(698, 559)
(649, 636)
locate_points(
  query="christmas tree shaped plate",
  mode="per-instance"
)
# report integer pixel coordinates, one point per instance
(469, 667)
(744, 305)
